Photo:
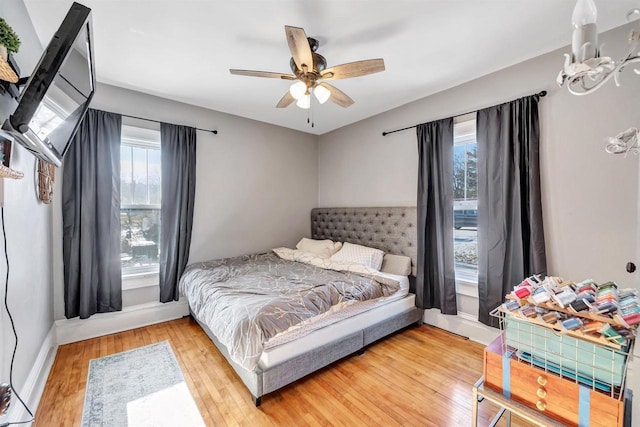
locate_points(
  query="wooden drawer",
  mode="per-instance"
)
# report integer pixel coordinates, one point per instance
(556, 397)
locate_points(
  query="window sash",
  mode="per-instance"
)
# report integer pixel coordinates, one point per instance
(144, 139)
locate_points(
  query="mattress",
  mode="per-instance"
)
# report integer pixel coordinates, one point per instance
(321, 336)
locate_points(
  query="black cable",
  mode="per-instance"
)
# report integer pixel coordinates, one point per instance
(13, 327)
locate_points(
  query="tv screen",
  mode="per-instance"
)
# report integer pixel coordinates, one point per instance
(58, 92)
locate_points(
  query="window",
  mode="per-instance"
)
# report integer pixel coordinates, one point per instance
(465, 200)
(140, 176)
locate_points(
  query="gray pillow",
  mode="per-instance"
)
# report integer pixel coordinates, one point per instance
(396, 264)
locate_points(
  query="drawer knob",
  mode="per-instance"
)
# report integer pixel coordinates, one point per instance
(542, 380)
(542, 393)
(541, 405)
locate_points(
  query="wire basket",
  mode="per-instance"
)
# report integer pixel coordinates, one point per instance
(602, 368)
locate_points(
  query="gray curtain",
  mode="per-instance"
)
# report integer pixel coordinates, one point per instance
(91, 217)
(510, 229)
(435, 284)
(178, 153)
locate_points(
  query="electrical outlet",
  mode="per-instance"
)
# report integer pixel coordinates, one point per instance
(5, 398)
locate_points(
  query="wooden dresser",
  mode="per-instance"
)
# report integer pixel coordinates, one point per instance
(558, 398)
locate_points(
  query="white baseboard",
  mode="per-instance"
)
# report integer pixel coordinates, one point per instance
(462, 324)
(137, 316)
(31, 391)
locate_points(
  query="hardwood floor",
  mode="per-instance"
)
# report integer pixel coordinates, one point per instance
(420, 376)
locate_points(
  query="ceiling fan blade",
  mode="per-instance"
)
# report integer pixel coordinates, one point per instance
(299, 46)
(286, 100)
(269, 74)
(338, 96)
(354, 69)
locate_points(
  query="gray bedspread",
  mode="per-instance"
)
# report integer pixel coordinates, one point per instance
(249, 299)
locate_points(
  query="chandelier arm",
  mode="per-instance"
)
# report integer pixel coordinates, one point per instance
(628, 60)
(624, 144)
(579, 79)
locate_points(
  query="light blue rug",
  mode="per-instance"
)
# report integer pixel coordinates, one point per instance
(140, 387)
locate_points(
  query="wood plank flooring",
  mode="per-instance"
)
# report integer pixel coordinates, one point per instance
(420, 376)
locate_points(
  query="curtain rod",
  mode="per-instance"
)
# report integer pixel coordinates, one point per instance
(540, 94)
(215, 132)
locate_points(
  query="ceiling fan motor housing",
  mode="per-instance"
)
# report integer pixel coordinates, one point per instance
(319, 64)
(319, 61)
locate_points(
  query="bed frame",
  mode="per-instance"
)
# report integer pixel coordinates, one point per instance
(391, 229)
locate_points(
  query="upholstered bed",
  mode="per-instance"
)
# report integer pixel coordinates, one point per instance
(393, 230)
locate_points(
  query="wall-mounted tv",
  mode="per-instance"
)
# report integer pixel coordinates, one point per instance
(57, 95)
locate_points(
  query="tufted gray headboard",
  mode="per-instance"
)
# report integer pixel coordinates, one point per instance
(391, 229)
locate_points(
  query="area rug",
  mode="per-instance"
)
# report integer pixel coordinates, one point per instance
(143, 387)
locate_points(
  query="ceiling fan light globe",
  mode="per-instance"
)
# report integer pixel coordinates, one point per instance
(304, 102)
(322, 94)
(298, 90)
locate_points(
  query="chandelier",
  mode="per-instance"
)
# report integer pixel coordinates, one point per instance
(585, 70)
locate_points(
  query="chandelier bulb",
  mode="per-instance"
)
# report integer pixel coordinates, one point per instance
(584, 13)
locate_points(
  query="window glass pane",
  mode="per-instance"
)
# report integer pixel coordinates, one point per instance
(139, 191)
(472, 171)
(154, 177)
(125, 175)
(458, 171)
(465, 205)
(139, 239)
(465, 241)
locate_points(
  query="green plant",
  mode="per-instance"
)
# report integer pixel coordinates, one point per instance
(8, 37)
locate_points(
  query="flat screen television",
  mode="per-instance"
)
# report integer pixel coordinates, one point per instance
(57, 95)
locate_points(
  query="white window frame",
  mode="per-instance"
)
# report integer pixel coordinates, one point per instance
(138, 277)
(464, 132)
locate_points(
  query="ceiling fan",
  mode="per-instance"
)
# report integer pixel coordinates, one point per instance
(310, 70)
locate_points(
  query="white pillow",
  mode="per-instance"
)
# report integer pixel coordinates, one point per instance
(359, 254)
(396, 264)
(324, 248)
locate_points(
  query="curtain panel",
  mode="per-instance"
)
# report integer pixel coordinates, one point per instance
(178, 156)
(91, 217)
(510, 229)
(435, 284)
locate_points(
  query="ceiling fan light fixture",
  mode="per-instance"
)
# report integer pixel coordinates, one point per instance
(298, 90)
(304, 102)
(321, 93)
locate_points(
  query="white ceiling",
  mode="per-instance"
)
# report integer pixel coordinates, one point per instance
(183, 49)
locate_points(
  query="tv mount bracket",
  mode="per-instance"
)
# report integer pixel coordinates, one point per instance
(13, 89)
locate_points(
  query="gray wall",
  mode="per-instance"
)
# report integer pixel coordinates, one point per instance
(256, 183)
(28, 227)
(590, 198)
